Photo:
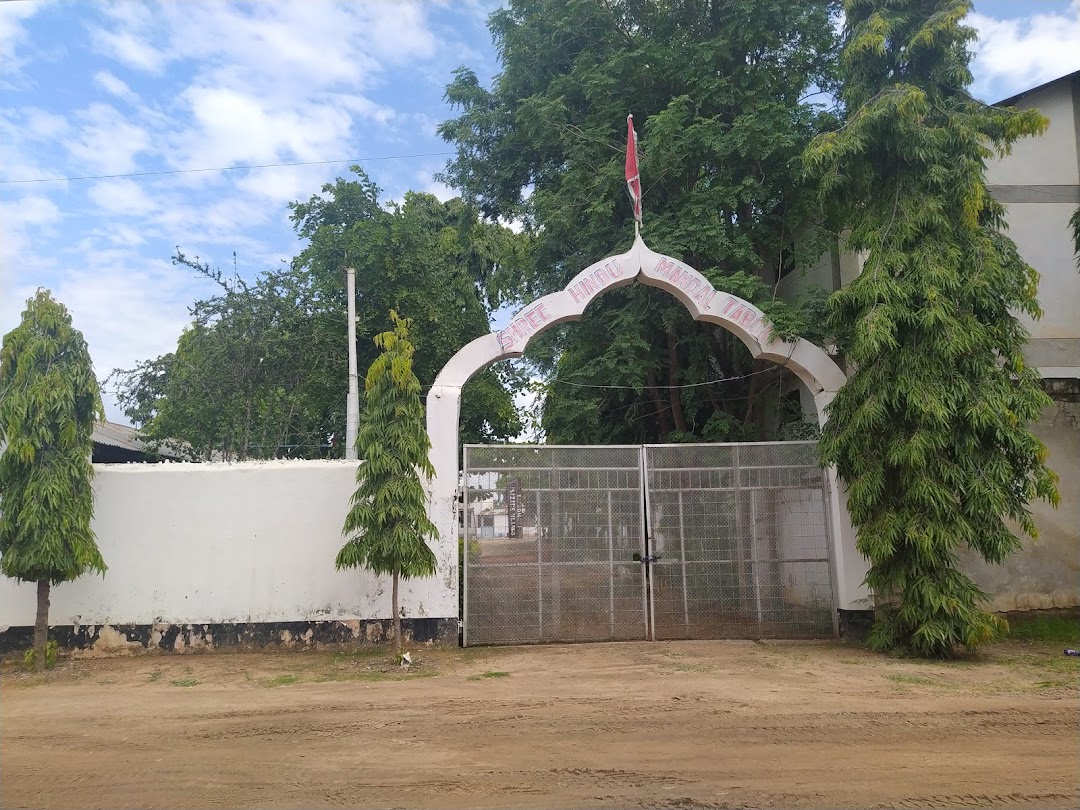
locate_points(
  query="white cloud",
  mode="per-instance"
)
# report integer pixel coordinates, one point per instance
(440, 190)
(129, 42)
(19, 218)
(26, 223)
(147, 292)
(1015, 54)
(13, 33)
(107, 141)
(234, 127)
(229, 84)
(122, 197)
(113, 85)
(280, 186)
(42, 124)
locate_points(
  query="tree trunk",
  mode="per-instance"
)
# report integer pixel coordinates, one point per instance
(663, 418)
(673, 382)
(397, 615)
(751, 396)
(41, 626)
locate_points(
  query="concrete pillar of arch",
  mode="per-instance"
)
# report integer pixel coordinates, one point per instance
(815, 369)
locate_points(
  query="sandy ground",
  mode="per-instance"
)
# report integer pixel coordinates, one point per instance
(681, 724)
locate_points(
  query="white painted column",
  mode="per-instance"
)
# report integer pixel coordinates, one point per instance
(443, 415)
(352, 406)
(849, 566)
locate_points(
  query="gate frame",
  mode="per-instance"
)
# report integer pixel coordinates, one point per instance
(814, 368)
(642, 518)
(647, 524)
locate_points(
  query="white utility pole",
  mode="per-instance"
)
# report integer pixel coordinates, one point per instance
(352, 406)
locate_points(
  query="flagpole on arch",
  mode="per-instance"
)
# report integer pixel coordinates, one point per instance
(633, 179)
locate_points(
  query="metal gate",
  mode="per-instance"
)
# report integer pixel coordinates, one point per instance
(626, 542)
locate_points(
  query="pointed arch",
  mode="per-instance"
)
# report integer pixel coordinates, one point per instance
(817, 371)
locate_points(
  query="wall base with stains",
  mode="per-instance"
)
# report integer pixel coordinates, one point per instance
(183, 638)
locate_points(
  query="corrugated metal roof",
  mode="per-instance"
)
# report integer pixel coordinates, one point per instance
(117, 435)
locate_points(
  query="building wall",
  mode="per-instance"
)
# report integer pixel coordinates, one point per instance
(224, 544)
(821, 274)
(1046, 572)
(1039, 183)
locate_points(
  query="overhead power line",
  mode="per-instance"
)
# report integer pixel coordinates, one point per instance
(667, 387)
(221, 168)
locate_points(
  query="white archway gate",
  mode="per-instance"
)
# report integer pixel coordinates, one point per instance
(814, 368)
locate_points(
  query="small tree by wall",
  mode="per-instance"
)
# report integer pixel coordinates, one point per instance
(49, 402)
(388, 519)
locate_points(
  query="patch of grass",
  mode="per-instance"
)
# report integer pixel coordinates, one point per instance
(1053, 629)
(912, 679)
(283, 680)
(1053, 663)
(154, 676)
(371, 677)
(485, 675)
(1053, 684)
(185, 682)
(372, 651)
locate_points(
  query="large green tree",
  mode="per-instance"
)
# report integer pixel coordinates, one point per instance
(931, 432)
(49, 403)
(388, 521)
(437, 262)
(721, 92)
(262, 371)
(254, 376)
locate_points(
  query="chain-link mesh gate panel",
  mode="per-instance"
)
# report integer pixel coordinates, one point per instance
(550, 535)
(742, 540)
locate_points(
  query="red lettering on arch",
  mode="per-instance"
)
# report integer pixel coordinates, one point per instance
(664, 268)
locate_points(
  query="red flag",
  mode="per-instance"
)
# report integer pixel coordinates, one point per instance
(633, 179)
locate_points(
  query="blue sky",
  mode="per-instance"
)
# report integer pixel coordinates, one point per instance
(94, 88)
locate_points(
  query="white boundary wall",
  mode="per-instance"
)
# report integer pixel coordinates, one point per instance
(251, 542)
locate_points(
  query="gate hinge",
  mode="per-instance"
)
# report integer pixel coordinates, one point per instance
(648, 558)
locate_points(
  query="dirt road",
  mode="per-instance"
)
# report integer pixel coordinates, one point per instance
(695, 724)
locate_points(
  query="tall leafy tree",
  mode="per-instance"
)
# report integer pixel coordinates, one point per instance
(931, 432)
(721, 92)
(49, 403)
(388, 519)
(254, 376)
(436, 261)
(262, 371)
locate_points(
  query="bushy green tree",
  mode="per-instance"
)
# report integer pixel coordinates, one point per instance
(931, 431)
(262, 371)
(49, 403)
(256, 375)
(388, 521)
(723, 96)
(437, 261)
